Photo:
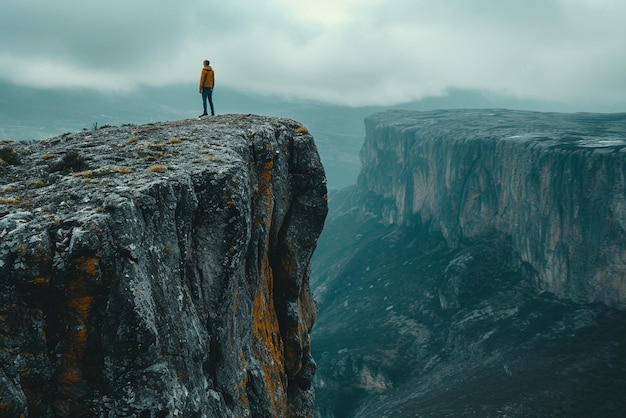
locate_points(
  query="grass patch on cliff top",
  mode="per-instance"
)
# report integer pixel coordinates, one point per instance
(101, 172)
(157, 168)
(9, 200)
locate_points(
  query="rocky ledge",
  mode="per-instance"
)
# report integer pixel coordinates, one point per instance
(160, 270)
(554, 183)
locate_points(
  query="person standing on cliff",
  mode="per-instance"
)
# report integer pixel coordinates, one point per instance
(207, 81)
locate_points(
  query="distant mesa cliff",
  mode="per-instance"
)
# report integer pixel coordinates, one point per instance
(461, 276)
(554, 183)
(160, 270)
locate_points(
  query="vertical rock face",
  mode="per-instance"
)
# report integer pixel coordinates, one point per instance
(554, 183)
(426, 273)
(160, 270)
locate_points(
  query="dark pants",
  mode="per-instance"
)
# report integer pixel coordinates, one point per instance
(207, 93)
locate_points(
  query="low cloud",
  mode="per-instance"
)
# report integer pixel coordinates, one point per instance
(341, 51)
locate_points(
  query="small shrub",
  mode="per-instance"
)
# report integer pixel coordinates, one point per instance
(38, 183)
(302, 130)
(115, 169)
(71, 161)
(157, 168)
(9, 156)
(175, 141)
(133, 139)
(9, 200)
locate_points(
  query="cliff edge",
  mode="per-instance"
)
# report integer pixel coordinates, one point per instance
(554, 183)
(160, 270)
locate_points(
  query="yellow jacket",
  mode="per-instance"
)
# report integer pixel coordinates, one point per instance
(207, 77)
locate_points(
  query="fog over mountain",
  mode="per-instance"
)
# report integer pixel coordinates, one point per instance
(28, 113)
(349, 52)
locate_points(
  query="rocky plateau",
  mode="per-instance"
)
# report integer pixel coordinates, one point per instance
(160, 270)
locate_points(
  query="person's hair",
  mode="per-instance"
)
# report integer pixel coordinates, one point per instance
(206, 62)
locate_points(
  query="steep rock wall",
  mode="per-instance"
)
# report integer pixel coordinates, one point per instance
(160, 270)
(554, 183)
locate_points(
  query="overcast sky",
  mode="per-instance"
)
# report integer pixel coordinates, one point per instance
(355, 52)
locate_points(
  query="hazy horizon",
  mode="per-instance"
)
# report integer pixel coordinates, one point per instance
(28, 113)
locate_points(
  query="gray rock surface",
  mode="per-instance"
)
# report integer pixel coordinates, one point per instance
(160, 270)
(555, 183)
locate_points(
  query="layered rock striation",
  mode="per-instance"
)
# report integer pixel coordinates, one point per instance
(554, 183)
(160, 270)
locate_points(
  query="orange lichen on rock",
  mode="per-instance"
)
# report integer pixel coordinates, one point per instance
(244, 381)
(88, 265)
(41, 280)
(270, 346)
(79, 301)
(265, 180)
(302, 130)
(265, 193)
